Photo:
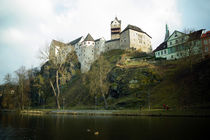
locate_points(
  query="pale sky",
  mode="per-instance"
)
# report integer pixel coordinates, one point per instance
(28, 25)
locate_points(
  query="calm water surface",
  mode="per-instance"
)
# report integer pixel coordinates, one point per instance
(58, 127)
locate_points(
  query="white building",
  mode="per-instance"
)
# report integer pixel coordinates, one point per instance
(179, 45)
(136, 38)
(88, 49)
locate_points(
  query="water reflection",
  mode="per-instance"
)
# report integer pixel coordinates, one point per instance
(14, 126)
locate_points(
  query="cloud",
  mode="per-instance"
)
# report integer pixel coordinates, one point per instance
(27, 25)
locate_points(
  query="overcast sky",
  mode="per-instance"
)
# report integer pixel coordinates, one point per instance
(28, 25)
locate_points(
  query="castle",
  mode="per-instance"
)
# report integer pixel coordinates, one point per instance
(88, 49)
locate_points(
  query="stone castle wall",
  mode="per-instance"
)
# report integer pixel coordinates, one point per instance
(140, 41)
(112, 45)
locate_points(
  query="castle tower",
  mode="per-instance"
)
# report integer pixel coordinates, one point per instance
(167, 33)
(115, 28)
(87, 53)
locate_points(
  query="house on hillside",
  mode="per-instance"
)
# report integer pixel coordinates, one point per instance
(205, 39)
(179, 45)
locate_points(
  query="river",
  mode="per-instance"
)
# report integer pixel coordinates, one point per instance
(57, 127)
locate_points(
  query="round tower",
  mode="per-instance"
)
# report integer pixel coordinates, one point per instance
(115, 28)
(87, 53)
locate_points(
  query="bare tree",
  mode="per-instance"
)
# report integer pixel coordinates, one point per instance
(56, 55)
(98, 82)
(44, 54)
(8, 78)
(23, 87)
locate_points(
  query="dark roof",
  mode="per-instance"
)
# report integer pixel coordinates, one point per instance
(117, 20)
(112, 40)
(195, 35)
(75, 41)
(97, 39)
(89, 38)
(135, 28)
(161, 46)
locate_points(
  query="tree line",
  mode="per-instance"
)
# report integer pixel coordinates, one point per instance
(32, 88)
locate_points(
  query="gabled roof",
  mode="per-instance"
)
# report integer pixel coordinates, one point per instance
(58, 43)
(89, 38)
(161, 46)
(116, 20)
(174, 32)
(75, 41)
(195, 35)
(135, 28)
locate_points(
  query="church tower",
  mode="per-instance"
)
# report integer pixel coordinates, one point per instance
(115, 29)
(167, 33)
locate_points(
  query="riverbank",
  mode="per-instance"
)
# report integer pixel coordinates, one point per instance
(152, 112)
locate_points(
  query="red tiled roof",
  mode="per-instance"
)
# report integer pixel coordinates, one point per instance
(207, 34)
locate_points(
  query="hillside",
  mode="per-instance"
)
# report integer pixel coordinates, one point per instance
(136, 79)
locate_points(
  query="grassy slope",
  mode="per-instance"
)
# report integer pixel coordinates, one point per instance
(183, 87)
(132, 78)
